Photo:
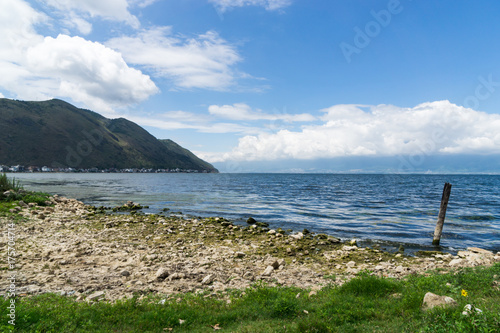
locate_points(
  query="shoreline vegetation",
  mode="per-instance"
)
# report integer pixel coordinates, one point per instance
(80, 268)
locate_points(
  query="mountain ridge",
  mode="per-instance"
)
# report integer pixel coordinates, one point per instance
(57, 134)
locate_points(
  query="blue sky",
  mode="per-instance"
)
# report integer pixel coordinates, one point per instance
(263, 82)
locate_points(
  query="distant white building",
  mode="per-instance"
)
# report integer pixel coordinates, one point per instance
(46, 169)
(16, 168)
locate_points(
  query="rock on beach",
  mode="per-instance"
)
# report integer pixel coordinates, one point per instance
(82, 251)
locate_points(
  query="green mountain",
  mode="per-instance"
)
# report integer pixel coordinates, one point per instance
(57, 134)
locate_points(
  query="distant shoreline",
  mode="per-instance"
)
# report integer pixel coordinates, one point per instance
(96, 170)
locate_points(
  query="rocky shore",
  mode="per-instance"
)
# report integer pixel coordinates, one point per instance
(74, 249)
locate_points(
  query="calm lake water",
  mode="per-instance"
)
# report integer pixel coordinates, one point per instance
(386, 209)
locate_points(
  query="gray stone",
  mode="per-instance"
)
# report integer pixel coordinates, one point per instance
(207, 279)
(432, 300)
(248, 276)
(162, 273)
(125, 273)
(95, 296)
(333, 240)
(351, 264)
(469, 309)
(297, 236)
(275, 264)
(177, 276)
(268, 271)
(456, 262)
(480, 251)
(400, 269)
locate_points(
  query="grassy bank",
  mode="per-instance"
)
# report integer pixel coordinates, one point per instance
(15, 193)
(364, 304)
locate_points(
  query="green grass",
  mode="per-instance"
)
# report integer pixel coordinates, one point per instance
(364, 304)
(8, 184)
(17, 194)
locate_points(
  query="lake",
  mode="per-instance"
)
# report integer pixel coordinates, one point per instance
(388, 210)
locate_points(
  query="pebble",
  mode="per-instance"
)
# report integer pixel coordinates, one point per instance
(65, 252)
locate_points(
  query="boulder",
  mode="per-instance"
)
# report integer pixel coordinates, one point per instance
(268, 271)
(480, 251)
(297, 236)
(162, 273)
(456, 262)
(333, 240)
(351, 264)
(432, 300)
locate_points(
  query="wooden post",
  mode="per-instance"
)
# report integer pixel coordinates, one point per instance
(442, 214)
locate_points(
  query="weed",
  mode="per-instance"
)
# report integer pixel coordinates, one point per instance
(6, 184)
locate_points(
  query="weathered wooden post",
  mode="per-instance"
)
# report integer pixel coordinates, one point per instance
(442, 213)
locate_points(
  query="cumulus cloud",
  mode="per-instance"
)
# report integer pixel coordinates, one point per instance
(268, 4)
(77, 12)
(36, 67)
(242, 111)
(202, 62)
(384, 130)
(89, 72)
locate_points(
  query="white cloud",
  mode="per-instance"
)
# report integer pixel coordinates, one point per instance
(33, 67)
(268, 4)
(143, 3)
(192, 124)
(88, 72)
(202, 62)
(241, 111)
(383, 130)
(78, 12)
(17, 21)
